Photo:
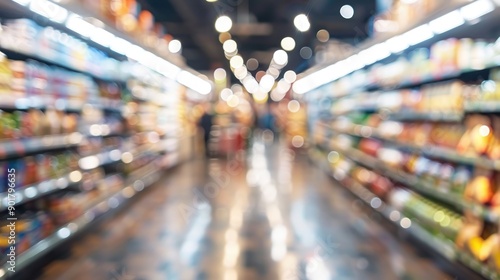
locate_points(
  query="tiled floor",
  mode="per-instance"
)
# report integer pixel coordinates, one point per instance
(269, 216)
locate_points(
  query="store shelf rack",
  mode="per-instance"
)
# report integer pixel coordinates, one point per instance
(436, 152)
(442, 246)
(20, 147)
(110, 203)
(413, 183)
(35, 191)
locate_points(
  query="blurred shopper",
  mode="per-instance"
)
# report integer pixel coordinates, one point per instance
(205, 123)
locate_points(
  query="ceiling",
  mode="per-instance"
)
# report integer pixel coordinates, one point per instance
(258, 27)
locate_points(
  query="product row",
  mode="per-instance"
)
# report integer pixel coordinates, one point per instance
(464, 234)
(38, 219)
(447, 57)
(36, 123)
(32, 79)
(477, 136)
(26, 36)
(466, 183)
(444, 98)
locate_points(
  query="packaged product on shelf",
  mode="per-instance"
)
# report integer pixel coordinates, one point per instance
(31, 175)
(446, 135)
(43, 167)
(370, 146)
(66, 207)
(481, 186)
(459, 180)
(478, 136)
(494, 149)
(381, 186)
(5, 75)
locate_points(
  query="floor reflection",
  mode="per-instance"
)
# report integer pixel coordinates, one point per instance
(269, 215)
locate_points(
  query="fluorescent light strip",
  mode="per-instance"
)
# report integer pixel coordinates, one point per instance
(447, 22)
(193, 82)
(22, 2)
(102, 37)
(106, 39)
(77, 24)
(418, 35)
(397, 44)
(477, 9)
(49, 10)
(120, 45)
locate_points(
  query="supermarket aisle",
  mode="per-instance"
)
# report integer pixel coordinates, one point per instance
(269, 217)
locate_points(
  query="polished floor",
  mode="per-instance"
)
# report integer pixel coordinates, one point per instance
(269, 215)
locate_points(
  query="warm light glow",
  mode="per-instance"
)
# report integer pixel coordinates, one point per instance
(225, 94)
(484, 130)
(174, 46)
(223, 24)
(230, 46)
(288, 43)
(240, 72)
(323, 36)
(283, 86)
(280, 57)
(267, 82)
(260, 96)
(297, 141)
(219, 74)
(250, 84)
(290, 76)
(347, 11)
(236, 61)
(233, 101)
(301, 22)
(293, 106)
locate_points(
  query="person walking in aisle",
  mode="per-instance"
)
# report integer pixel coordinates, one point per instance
(205, 123)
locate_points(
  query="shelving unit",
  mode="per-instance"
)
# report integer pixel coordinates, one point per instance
(404, 110)
(442, 246)
(428, 150)
(95, 97)
(134, 186)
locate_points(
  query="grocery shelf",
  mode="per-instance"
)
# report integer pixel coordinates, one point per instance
(93, 161)
(19, 147)
(133, 186)
(444, 247)
(56, 62)
(414, 183)
(482, 107)
(426, 116)
(431, 78)
(428, 150)
(35, 191)
(13, 102)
